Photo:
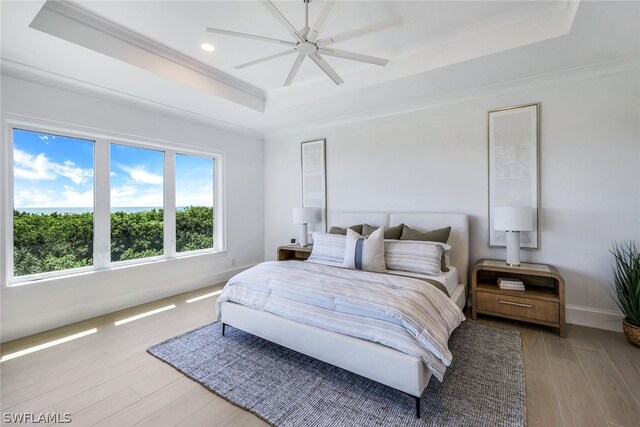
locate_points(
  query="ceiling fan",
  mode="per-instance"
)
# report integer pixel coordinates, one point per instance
(307, 43)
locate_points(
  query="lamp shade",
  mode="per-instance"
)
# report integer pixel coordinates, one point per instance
(513, 218)
(303, 215)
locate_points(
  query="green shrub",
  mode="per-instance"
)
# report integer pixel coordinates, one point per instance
(53, 242)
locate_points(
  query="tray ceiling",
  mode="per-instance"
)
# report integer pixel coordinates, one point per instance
(150, 50)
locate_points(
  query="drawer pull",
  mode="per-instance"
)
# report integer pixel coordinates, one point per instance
(516, 303)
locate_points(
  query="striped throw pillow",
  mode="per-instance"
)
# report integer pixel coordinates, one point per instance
(328, 249)
(365, 253)
(415, 256)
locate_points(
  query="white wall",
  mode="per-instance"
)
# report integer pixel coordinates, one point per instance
(435, 160)
(30, 308)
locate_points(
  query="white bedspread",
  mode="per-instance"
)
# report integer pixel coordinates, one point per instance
(403, 313)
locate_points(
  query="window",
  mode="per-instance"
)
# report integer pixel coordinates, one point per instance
(194, 203)
(82, 202)
(137, 187)
(52, 201)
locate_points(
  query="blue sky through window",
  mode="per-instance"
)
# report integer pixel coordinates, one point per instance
(52, 171)
(194, 181)
(137, 177)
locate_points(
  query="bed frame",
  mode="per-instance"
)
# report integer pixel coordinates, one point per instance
(371, 360)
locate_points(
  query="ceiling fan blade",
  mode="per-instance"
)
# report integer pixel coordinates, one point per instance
(249, 36)
(266, 58)
(353, 56)
(326, 68)
(322, 19)
(363, 31)
(282, 20)
(295, 68)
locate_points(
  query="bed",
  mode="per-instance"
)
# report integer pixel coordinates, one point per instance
(381, 363)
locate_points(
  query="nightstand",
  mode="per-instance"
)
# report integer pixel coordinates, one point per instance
(294, 252)
(541, 302)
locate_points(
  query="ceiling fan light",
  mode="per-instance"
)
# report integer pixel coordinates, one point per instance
(207, 47)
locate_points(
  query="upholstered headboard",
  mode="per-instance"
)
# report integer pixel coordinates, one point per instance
(458, 240)
(347, 219)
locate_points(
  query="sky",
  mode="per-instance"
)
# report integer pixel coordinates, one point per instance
(57, 171)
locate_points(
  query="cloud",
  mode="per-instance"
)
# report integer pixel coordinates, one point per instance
(80, 199)
(68, 198)
(33, 198)
(123, 196)
(28, 166)
(130, 196)
(40, 167)
(140, 174)
(69, 170)
(201, 195)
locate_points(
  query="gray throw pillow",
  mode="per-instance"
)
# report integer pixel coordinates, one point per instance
(343, 231)
(390, 233)
(439, 235)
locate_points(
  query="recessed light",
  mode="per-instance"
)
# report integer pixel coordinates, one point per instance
(207, 47)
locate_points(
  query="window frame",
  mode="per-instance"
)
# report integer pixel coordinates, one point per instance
(215, 192)
(102, 198)
(165, 249)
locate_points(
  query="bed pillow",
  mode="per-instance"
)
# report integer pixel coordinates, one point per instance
(365, 253)
(327, 249)
(415, 256)
(343, 231)
(389, 232)
(439, 235)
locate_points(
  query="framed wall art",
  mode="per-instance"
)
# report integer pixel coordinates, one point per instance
(513, 137)
(314, 181)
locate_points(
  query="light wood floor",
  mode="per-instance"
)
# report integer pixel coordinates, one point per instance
(591, 378)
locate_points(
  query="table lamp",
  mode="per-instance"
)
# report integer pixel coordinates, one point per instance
(513, 220)
(303, 216)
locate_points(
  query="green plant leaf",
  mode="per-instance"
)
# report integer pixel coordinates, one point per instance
(626, 280)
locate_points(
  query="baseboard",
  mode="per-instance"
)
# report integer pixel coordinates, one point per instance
(594, 317)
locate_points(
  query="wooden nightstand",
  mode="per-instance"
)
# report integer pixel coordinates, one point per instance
(294, 252)
(541, 302)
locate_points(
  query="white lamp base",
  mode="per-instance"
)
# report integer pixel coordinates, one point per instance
(302, 238)
(513, 248)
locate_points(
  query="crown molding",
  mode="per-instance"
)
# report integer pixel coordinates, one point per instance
(529, 83)
(35, 75)
(28, 73)
(69, 21)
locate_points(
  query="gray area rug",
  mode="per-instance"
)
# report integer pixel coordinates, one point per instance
(484, 386)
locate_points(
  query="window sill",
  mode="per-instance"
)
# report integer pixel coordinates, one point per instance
(187, 256)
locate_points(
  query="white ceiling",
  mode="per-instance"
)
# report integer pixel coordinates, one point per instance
(442, 48)
(181, 26)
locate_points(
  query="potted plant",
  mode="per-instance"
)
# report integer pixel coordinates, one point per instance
(626, 284)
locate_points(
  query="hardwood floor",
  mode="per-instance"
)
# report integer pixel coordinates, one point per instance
(106, 378)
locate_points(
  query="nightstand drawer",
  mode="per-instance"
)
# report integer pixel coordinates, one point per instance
(529, 308)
